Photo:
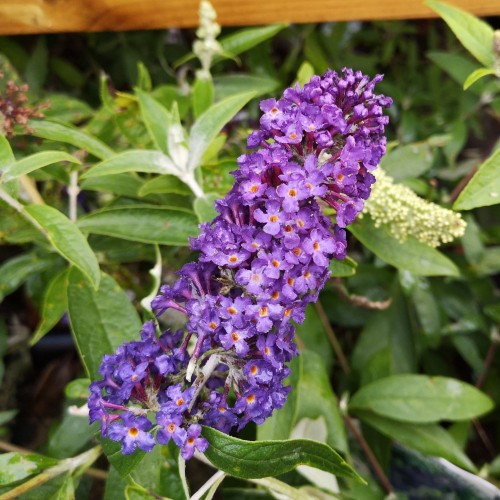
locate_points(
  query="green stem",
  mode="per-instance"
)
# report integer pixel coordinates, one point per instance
(182, 475)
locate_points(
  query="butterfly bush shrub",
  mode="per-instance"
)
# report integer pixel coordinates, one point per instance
(261, 261)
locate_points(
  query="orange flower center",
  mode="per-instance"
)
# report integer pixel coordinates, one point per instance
(254, 188)
(273, 218)
(254, 370)
(232, 310)
(275, 295)
(171, 428)
(263, 312)
(212, 325)
(292, 193)
(133, 431)
(233, 259)
(179, 402)
(250, 399)
(316, 245)
(235, 336)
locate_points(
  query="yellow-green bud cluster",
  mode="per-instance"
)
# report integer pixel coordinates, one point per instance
(207, 46)
(405, 213)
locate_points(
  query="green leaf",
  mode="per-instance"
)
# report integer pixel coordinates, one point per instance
(126, 185)
(17, 466)
(412, 255)
(210, 123)
(6, 155)
(247, 38)
(37, 68)
(164, 184)
(54, 305)
(204, 207)
(343, 268)
(484, 187)
(66, 491)
(421, 399)
(55, 131)
(161, 225)
(100, 320)
(203, 95)
(430, 439)
(227, 85)
(69, 436)
(251, 460)
(67, 239)
(7, 415)
(124, 464)
(17, 270)
(36, 161)
(78, 388)
(477, 74)
(408, 161)
(135, 160)
(156, 118)
(475, 35)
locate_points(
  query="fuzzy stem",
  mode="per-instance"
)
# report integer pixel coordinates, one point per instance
(182, 475)
(73, 192)
(217, 477)
(20, 208)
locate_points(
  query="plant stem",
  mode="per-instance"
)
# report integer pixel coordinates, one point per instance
(490, 356)
(29, 187)
(333, 338)
(73, 192)
(182, 475)
(217, 477)
(372, 459)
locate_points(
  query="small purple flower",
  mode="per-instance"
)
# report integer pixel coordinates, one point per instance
(170, 428)
(193, 441)
(132, 432)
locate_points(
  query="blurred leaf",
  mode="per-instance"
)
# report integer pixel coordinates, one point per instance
(36, 161)
(476, 75)
(164, 184)
(410, 160)
(165, 226)
(67, 72)
(203, 95)
(156, 118)
(6, 155)
(78, 389)
(100, 320)
(210, 123)
(17, 466)
(474, 34)
(426, 306)
(7, 415)
(54, 305)
(204, 207)
(67, 239)
(120, 184)
(66, 490)
(65, 108)
(305, 73)
(37, 66)
(430, 439)
(140, 160)
(421, 399)
(64, 133)
(412, 255)
(15, 271)
(70, 436)
(227, 85)
(343, 268)
(250, 459)
(484, 187)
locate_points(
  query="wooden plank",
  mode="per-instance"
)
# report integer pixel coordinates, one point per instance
(51, 16)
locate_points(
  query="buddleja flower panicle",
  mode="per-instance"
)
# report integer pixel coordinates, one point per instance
(261, 261)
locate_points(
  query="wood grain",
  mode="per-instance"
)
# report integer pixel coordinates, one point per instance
(51, 16)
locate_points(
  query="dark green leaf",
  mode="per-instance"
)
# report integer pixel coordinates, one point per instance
(126, 185)
(250, 460)
(63, 133)
(124, 464)
(67, 239)
(203, 95)
(7, 416)
(164, 184)
(16, 466)
(100, 320)
(430, 439)
(54, 305)
(164, 226)
(37, 67)
(70, 436)
(410, 160)
(343, 268)
(421, 399)
(484, 187)
(412, 255)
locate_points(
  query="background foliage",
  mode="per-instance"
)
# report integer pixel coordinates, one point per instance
(98, 201)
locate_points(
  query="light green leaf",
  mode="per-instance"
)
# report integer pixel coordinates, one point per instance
(227, 85)
(474, 34)
(305, 73)
(164, 184)
(54, 305)
(476, 75)
(484, 187)
(343, 268)
(430, 439)
(36, 161)
(100, 320)
(156, 118)
(55, 131)
(421, 399)
(15, 271)
(204, 207)
(120, 184)
(210, 123)
(408, 161)
(165, 226)
(135, 160)
(17, 466)
(6, 154)
(67, 239)
(203, 95)
(249, 460)
(66, 490)
(78, 388)
(7, 415)
(412, 255)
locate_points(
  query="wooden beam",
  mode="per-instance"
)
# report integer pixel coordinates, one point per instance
(52, 16)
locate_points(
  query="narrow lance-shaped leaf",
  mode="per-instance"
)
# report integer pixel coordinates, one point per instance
(55, 131)
(6, 154)
(484, 187)
(412, 255)
(210, 123)
(478, 74)
(421, 399)
(252, 460)
(66, 238)
(135, 160)
(100, 319)
(35, 162)
(17, 466)
(475, 35)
